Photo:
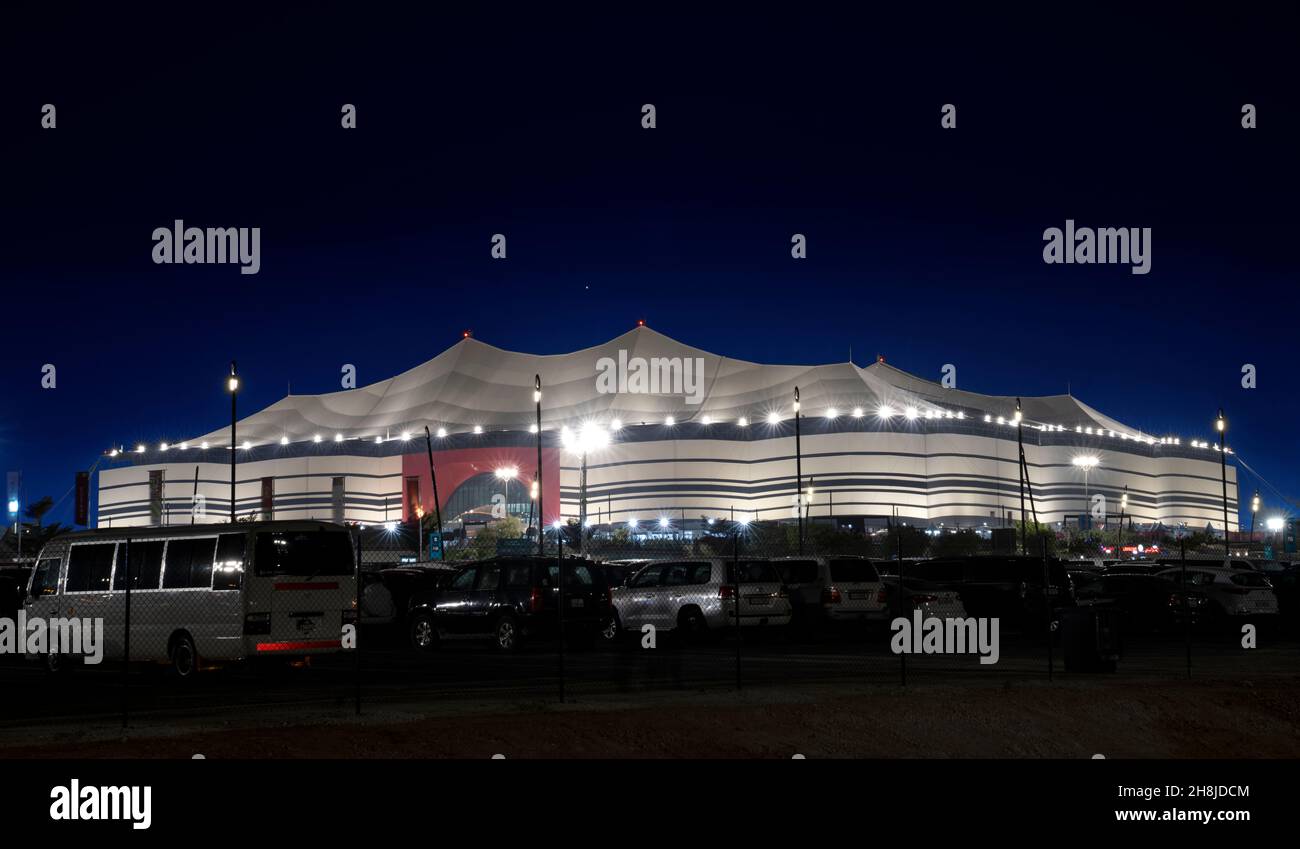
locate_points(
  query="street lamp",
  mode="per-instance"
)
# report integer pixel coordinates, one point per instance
(798, 467)
(1119, 540)
(1254, 508)
(1087, 462)
(1221, 424)
(505, 474)
(232, 386)
(589, 437)
(537, 399)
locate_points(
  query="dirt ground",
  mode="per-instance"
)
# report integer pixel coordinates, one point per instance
(1119, 720)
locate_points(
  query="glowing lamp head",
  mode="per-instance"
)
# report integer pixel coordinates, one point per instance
(1086, 461)
(232, 384)
(663, 521)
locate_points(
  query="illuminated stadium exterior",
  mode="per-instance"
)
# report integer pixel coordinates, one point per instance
(708, 436)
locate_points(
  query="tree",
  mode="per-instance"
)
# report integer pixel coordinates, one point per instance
(38, 509)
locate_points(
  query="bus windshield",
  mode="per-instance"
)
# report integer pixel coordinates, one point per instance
(306, 552)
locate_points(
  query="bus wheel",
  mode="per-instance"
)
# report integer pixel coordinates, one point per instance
(184, 659)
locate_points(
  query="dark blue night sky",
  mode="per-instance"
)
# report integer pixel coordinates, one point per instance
(924, 244)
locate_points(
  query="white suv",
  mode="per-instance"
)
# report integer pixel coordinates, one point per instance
(699, 596)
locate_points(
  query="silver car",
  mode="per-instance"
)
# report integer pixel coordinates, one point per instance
(699, 596)
(1233, 591)
(833, 589)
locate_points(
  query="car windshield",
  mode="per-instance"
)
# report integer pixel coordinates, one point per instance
(752, 572)
(853, 571)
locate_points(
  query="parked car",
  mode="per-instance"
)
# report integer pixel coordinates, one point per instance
(1009, 588)
(698, 597)
(931, 599)
(1233, 593)
(1285, 578)
(832, 589)
(1146, 602)
(406, 582)
(512, 599)
(617, 572)
(13, 588)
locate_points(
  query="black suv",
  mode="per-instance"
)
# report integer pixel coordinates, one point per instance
(509, 599)
(1010, 588)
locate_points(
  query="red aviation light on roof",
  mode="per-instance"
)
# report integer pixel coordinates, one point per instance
(880, 358)
(465, 334)
(640, 322)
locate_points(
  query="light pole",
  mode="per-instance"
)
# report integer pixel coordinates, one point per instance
(1087, 462)
(1020, 476)
(1254, 508)
(232, 386)
(1221, 424)
(590, 437)
(537, 399)
(505, 474)
(798, 468)
(437, 508)
(1123, 507)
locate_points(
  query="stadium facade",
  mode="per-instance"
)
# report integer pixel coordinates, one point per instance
(689, 435)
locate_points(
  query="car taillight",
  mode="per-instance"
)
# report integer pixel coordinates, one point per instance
(882, 596)
(257, 623)
(726, 591)
(924, 599)
(535, 600)
(831, 595)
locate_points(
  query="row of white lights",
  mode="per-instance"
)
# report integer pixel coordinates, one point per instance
(774, 418)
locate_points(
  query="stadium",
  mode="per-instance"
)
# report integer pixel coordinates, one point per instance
(671, 436)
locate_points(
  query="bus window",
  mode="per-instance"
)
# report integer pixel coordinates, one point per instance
(146, 565)
(90, 567)
(228, 574)
(189, 563)
(309, 553)
(45, 581)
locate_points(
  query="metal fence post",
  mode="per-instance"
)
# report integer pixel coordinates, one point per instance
(1187, 619)
(1047, 605)
(559, 564)
(126, 638)
(735, 592)
(356, 667)
(898, 547)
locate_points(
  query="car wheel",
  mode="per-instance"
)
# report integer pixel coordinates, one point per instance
(423, 632)
(690, 624)
(184, 659)
(506, 634)
(612, 630)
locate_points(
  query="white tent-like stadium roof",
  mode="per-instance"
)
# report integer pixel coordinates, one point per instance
(475, 384)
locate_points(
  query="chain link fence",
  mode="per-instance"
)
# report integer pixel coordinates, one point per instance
(302, 618)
